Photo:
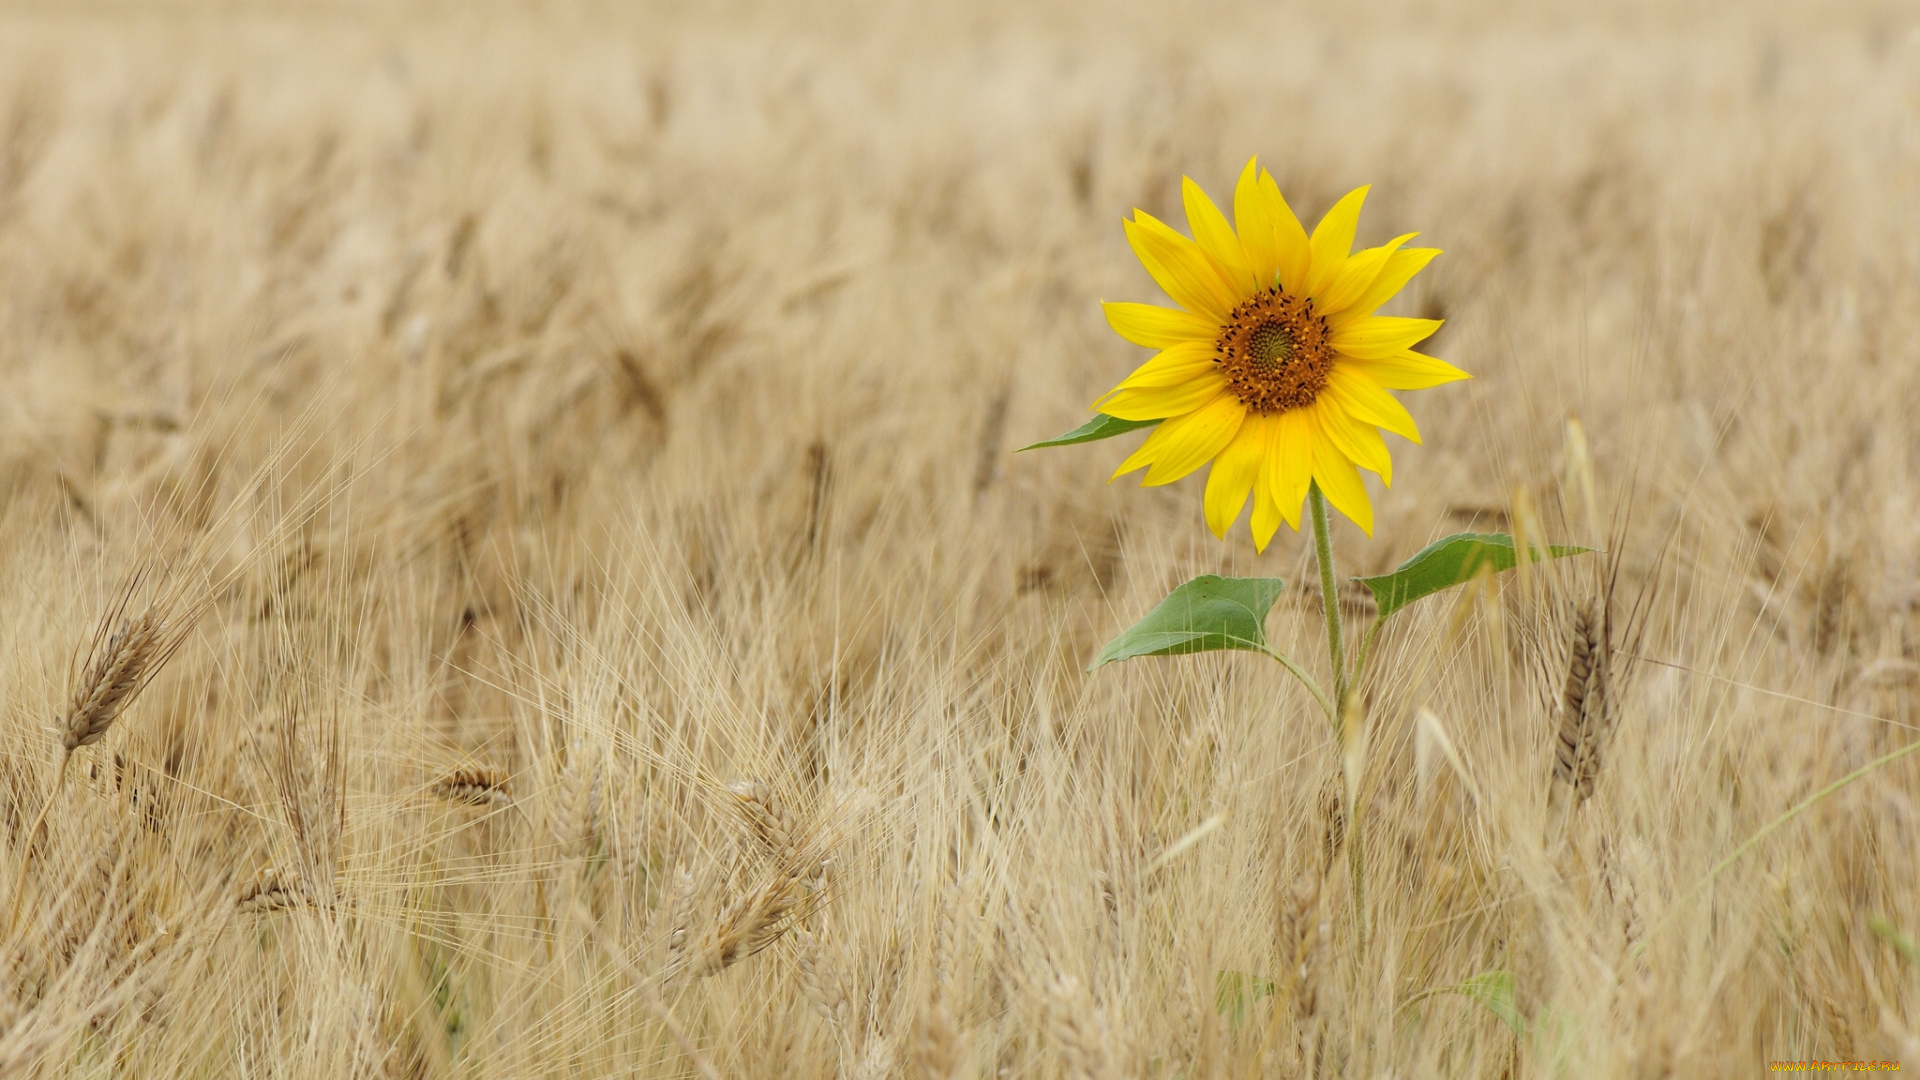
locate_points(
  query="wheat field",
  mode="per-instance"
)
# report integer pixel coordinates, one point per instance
(517, 566)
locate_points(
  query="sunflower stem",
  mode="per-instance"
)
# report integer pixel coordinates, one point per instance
(1337, 654)
(1330, 603)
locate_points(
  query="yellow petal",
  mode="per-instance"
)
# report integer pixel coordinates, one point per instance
(1170, 366)
(1400, 268)
(1215, 236)
(1332, 240)
(1356, 277)
(1179, 266)
(1160, 402)
(1187, 442)
(1255, 225)
(1290, 462)
(1158, 327)
(1340, 482)
(1234, 473)
(1408, 370)
(1266, 514)
(1370, 437)
(1379, 336)
(1359, 396)
(1357, 442)
(1142, 457)
(1292, 251)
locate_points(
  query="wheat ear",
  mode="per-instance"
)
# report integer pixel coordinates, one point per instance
(762, 915)
(940, 1043)
(110, 682)
(475, 787)
(1584, 708)
(1079, 1028)
(270, 890)
(749, 924)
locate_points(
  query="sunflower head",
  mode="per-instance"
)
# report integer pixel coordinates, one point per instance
(1274, 367)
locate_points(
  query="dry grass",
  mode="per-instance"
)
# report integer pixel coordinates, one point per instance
(625, 644)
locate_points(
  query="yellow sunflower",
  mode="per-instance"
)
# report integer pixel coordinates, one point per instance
(1278, 369)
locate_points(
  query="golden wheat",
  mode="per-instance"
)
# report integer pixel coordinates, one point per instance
(270, 889)
(111, 680)
(1584, 704)
(465, 444)
(475, 787)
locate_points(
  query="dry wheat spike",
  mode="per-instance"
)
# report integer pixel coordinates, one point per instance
(822, 981)
(1079, 1028)
(577, 819)
(1584, 708)
(135, 651)
(939, 1043)
(751, 923)
(111, 680)
(269, 890)
(759, 916)
(475, 787)
(680, 900)
(771, 821)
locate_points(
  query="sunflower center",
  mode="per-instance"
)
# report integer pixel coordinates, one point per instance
(1269, 344)
(1274, 352)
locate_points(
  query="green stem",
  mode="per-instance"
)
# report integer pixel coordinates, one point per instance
(1330, 602)
(1306, 680)
(1337, 654)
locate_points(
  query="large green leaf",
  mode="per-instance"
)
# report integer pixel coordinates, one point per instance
(1100, 427)
(1204, 615)
(1494, 989)
(1448, 562)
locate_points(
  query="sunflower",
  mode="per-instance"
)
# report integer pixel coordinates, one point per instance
(1277, 371)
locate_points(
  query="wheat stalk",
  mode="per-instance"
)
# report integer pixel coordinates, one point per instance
(312, 801)
(116, 673)
(649, 993)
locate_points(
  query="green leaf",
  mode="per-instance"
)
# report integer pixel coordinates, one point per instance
(1233, 990)
(1204, 615)
(1448, 562)
(1100, 427)
(1494, 989)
